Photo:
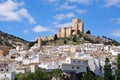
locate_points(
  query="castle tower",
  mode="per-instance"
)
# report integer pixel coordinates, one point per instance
(39, 41)
(78, 26)
(63, 32)
(59, 33)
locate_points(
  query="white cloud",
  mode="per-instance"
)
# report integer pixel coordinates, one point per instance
(66, 6)
(39, 28)
(116, 33)
(63, 25)
(25, 31)
(64, 16)
(85, 2)
(55, 22)
(49, 1)
(109, 3)
(116, 21)
(52, 0)
(14, 11)
(81, 11)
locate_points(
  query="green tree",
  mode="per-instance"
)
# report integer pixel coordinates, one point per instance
(55, 37)
(40, 75)
(65, 41)
(31, 76)
(21, 76)
(74, 38)
(107, 70)
(117, 74)
(88, 32)
(88, 76)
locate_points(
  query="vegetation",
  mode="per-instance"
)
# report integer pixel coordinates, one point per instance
(55, 37)
(81, 38)
(117, 75)
(88, 76)
(10, 40)
(88, 32)
(107, 70)
(39, 75)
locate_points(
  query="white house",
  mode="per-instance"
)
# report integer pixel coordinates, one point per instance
(6, 70)
(93, 63)
(23, 69)
(49, 65)
(73, 64)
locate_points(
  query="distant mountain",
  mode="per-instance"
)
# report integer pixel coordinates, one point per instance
(11, 41)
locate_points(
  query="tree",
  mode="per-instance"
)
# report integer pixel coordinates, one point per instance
(107, 70)
(88, 32)
(117, 74)
(55, 37)
(88, 76)
(65, 41)
(74, 38)
(20, 76)
(31, 76)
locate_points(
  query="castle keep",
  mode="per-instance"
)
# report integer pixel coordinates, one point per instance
(76, 28)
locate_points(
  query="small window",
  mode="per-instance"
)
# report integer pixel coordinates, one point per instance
(59, 66)
(72, 67)
(78, 67)
(1, 69)
(74, 61)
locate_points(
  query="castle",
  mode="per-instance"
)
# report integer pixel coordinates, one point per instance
(76, 28)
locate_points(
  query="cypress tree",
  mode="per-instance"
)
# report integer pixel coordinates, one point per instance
(117, 74)
(107, 70)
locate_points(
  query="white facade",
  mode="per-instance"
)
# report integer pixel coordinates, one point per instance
(31, 60)
(76, 65)
(23, 70)
(21, 58)
(49, 65)
(7, 75)
(93, 63)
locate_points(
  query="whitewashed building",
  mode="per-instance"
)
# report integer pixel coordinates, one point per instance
(76, 65)
(6, 70)
(49, 65)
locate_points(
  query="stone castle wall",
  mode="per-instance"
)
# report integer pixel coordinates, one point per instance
(76, 28)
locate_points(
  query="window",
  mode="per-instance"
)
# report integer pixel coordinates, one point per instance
(73, 61)
(67, 60)
(72, 67)
(79, 62)
(1, 69)
(78, 67)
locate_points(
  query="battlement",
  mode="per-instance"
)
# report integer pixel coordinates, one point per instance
(76, 28)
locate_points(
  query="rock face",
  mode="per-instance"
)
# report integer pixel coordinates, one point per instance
(11, 41)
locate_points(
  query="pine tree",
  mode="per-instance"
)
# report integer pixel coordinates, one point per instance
(88, 32)
(107, 70)
(117, 75)
(88, 76)
(55, 37)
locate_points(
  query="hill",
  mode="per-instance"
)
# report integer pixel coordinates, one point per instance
(82, 38)
(11, 41)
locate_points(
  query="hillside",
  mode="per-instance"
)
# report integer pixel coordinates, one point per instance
(10, 40)
(82, 38)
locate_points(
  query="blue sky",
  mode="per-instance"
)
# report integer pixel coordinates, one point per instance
(28, 19)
